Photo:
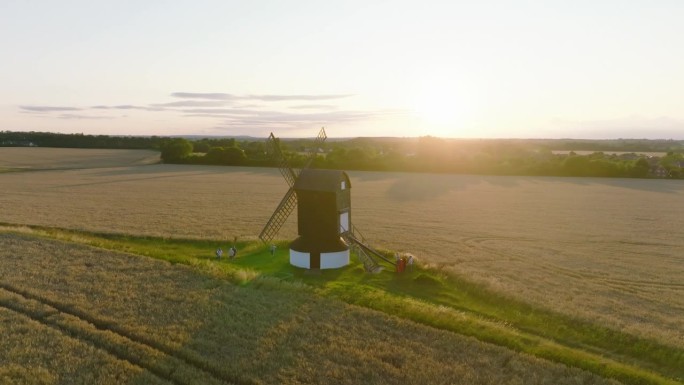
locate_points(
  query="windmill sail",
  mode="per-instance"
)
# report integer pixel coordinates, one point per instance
(289, 201)
(280, 215)
(273, 149)
(318, 142)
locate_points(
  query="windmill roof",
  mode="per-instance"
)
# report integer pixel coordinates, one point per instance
(322, 180)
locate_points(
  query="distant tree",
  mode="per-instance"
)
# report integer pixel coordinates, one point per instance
(671, 160)
(639, 168)
(231, 156)
(214, 155)
(576, 165)
(256, 153)
(234, 156)
(391, 160)
(337, 158)
(603, 168)
(200, 147)
(358, 158)
(174, 150)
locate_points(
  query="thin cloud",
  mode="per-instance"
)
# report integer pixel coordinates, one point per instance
(248, 112)
(277, 98)
(268, 116)
(200, 95)
(204, 115)
(314, 107)
(193, 103)
(48, 108)
(260, 121)
(273, 118)
(127, 107)
(264, 98)
(78, 117)
(221, 111)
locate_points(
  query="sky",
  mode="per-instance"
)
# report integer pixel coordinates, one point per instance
(461, 69)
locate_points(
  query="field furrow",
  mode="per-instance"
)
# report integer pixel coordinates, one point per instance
(162, 362)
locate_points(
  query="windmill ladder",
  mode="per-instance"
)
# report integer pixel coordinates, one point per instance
(366, 253)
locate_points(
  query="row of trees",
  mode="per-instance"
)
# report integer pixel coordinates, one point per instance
(494, 157)
(425, 154)
(181, 150)
(49, 139)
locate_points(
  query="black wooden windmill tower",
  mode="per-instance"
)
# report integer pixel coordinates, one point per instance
(323, 201)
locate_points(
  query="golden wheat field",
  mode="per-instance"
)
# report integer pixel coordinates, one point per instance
(607, 250)
(113, 318)
(22, 158)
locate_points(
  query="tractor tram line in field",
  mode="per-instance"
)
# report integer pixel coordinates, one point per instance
(21, 305)
(165, 363)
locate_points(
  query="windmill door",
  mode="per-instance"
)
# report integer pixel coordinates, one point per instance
(344, 222)
(315, 262)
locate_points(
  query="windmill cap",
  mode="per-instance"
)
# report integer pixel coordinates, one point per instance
(322, 180)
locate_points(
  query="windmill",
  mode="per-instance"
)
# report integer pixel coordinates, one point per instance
(323, 202)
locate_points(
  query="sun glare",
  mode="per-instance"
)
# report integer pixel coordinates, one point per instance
(441, 110)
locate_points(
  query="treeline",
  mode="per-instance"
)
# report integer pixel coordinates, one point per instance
(505, 157)
(49, 139)
(223, 151)
(610, 158)
(429, 154)
(611, 145)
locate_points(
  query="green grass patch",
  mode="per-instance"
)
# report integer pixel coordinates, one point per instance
(425, 295)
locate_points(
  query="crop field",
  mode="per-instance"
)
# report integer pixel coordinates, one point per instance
(604, 250)
(608, 250)
(32, 158)
(115, 318)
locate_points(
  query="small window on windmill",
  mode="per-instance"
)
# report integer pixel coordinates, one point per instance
(343, 185)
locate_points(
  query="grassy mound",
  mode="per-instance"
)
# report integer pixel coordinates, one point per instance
(426, 280)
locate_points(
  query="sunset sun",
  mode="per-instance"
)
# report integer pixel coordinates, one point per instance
(441, 109)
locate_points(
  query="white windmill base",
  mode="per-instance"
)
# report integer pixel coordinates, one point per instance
(332, 260)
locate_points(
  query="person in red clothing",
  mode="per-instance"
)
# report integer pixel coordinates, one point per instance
(402, 264)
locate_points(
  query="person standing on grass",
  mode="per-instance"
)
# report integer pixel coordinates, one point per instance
(273, 249)
(410, 262)
(219, 253)
(232, 252)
